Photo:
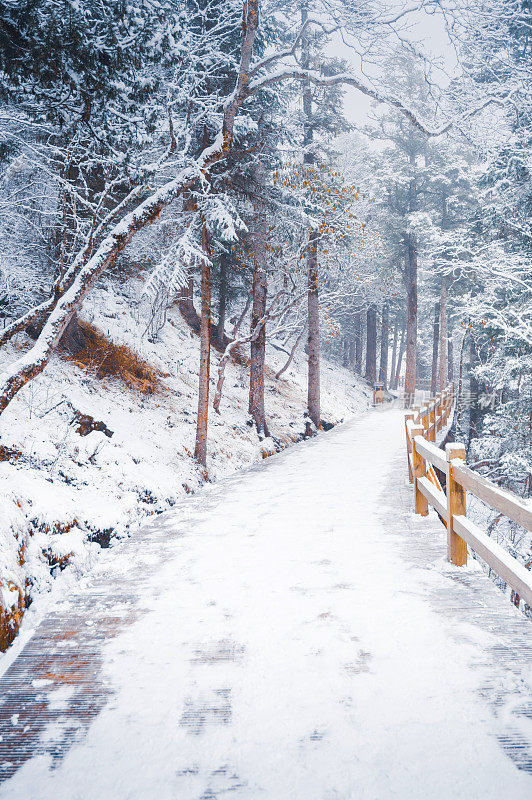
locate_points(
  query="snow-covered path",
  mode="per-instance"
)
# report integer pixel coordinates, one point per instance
(292, 633)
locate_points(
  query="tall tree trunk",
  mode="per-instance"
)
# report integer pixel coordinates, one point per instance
(394, 350)
(460, 392)
(89, 265)
(313, 394)
(399, 358)
(383, 370)
(443, 335)
(313, 342)
(222, 297)
(359, 341)
(450, 356)
(474, 407)
(411, 319)
(371, 345)
(345, 352)
(200, 450)
(258, 345)
(435, 345)
(351, 353)
(185, 297)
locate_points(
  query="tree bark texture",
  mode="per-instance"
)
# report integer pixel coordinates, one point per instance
(411, 319)
(435, 345)
(351, 359)
(313, 394)
(460, 392)
(345, 352)
(474, 407)
(258, 345)
(394, 350)
(73, 338)
(399, 358)
(359, 341)
(443, 335)
(313, 305)
(450, 357)
(87, 266)
(383, 368)
(200, 450)
(222, 297)
(371, 345)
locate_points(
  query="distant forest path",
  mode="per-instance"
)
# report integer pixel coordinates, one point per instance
(290, 633)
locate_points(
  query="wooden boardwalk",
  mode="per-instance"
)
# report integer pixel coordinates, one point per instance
(60, 683)
(55, 687)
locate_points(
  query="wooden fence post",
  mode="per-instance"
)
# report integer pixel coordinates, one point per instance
(439, 411)
(456, 505)
(432, 419)
(425, 421)
(420, 470)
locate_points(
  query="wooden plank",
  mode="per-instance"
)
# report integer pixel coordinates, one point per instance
(432, 421)
(433, 478)
(424, 417)
(435, 497)
(456, 505)
(506, 502)
(431, 453)
(419, 468)
(507, 567)
(439, 411)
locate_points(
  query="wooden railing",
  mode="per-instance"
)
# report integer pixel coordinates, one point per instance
(422, 428)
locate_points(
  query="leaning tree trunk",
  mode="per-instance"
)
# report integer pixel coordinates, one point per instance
(359, 341)
(371, 345)
(222, 297)
(86, 268)
(399, 358)
(435, 342)
(258, 345)
(200, 450)
(411, 319)
(443, 335)
(383, 369)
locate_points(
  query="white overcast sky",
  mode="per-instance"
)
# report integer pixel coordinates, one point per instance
(427, 31)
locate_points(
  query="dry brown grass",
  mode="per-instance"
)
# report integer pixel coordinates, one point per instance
(106, 360)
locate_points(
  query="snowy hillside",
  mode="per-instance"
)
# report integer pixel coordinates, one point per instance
(64, 495)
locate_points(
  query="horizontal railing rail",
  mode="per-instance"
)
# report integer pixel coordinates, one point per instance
(422, 426)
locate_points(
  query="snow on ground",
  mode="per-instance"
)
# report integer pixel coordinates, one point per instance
(286, 648)
(68, 489)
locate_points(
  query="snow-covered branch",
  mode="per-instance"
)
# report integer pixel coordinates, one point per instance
(345, 79)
